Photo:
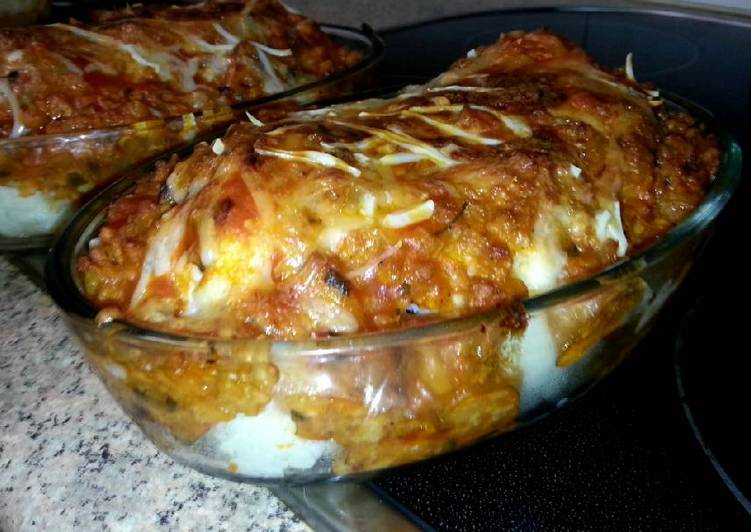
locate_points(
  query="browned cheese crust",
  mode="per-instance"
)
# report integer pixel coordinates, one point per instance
(523, 167)
(151, 63)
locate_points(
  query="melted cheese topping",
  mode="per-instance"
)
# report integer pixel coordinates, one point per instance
(503, 178)
(135, 52)
(608, 226)
(165, 62)
(311, 157)
(541, 266)
(412, 215)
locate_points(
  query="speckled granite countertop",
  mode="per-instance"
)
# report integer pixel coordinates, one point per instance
(71, 460)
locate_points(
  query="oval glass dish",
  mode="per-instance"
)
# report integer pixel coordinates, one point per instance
(259, 410)
(76, 165)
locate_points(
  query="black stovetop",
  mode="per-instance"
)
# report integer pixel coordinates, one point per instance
(661, 443)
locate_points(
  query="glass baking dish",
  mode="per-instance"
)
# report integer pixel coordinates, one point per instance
(73, 161)
(265, 411)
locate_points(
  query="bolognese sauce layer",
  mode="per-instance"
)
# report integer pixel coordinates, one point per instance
(146, 63)
(523, 167)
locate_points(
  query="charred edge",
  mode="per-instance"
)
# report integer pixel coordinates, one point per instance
(459, 214)
(515, 319)
(454, 219)
(222, 210)
(165, 194)
(404, 289)
(252, 159)
(337, 282)
(296, 416)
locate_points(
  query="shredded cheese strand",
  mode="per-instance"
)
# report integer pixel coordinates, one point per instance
(426, 109)
(6, 92)
(401, 158)
(629, 68)
(437, 108)
(211, 48)
(70, 65)
(403, 140)
(361, 158)
(272, 83)
(463, 88)
(453, 130)
(311, 157)
(311, 113)
(413, 215)
(515, 124)
(282, 129)
(253, 120)
(131, 49)
(227, 36)
(276, 52)
(367, 270)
